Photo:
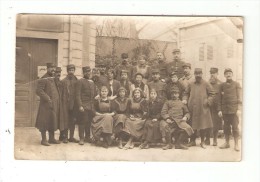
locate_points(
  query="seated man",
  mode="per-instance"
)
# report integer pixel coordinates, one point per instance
(175, 115)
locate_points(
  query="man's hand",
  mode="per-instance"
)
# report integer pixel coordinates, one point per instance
(81, 109)
(163, 80)
(184, 118)
(168, 121)
(154, 120)
(97, 97)
(220, 114)
(50, 104)
(184, 102)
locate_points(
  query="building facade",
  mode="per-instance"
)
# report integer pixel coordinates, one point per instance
(208, 42)
(61, 39)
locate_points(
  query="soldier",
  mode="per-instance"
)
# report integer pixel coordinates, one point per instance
(125, 65)
(85, 94)
(176, 64)
(217, 121)
(51, 68)
(175, 115)
(174, 84)
(187, 77)
(49, 106)
(103, 77)
(228, 105)
(157, 84)
(70, 84)
(161, 65)
(62, 115)
(199, 95)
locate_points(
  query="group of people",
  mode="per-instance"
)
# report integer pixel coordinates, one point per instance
(156, 104)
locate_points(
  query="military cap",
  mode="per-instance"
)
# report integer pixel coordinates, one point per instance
(186, 65)
(69, 66)
(50, 65)
(58, 69)
(139, 74)
(86, 68)
(175, 90)
(124, 71)
(176, 50)
(111, 70)
(155, 71)
(213, 70)
(228, 70)
(197, 70)
(173, 73)
(124, 55)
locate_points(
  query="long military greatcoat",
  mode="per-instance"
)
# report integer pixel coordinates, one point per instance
(200, 97)
(47, 117)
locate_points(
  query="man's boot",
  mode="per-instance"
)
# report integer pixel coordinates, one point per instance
(52, 140)
(207, 141)
(192, 140)
(81, 134)
(169, 143)
(179, 144)
(65, 139)
(44, 140)
(236, 144)
(71, 138)
(215, 137)
(226, 144)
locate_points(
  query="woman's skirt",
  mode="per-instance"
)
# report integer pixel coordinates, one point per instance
(134, 128)
(101, 124)
(152, 131)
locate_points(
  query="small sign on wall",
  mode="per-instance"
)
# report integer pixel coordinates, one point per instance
(41, 71)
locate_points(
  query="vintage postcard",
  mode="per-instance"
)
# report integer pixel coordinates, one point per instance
(128, 88)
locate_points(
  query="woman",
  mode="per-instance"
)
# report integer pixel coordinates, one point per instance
(102, 125)
(135, 123)
(121, 107)
(138, 83)
(144, 69)
(152, 125)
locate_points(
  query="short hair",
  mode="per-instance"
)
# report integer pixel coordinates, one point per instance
(138, 89)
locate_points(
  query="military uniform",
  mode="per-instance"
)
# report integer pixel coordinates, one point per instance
(85, 94)
(229, 100)
(158, 85)
(70, 82)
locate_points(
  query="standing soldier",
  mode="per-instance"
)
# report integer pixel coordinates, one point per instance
(125, 65)
(229, 100)
(217, 121)
(62, 114)
(70, 84)
(199, 95)
(85, 94)
(187, 77)
(49, 106)
(103, 77)
(157, 84)
(161, 65)
(176, 64)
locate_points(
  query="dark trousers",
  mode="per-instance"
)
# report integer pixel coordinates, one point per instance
(85, 119)
(44, 137)
(231, 122)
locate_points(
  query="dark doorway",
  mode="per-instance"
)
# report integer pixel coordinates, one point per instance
(31, 53)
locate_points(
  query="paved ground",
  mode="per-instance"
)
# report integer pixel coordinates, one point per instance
(27, 146)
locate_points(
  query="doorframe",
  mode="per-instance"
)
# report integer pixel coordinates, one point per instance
(45, 35)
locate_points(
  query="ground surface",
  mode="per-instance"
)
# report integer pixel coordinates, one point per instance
(27, 146)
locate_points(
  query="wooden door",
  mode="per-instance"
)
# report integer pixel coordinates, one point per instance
(30, 53)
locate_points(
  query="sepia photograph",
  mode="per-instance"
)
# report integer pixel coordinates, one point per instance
(128, 88)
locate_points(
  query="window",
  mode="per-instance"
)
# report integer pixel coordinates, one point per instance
(230, 51)
(209, 53)
(201, 53)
